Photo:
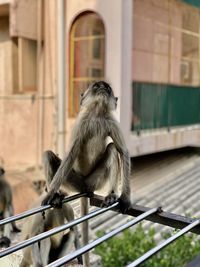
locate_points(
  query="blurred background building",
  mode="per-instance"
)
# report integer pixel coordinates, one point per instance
(148, 50)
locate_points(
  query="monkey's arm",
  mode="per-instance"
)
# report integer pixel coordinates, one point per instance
(62, 172)
(119, 142)
(11, 211)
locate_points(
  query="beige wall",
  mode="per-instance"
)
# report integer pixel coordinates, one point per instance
(153, 43)
(28, 121)
(31, 119)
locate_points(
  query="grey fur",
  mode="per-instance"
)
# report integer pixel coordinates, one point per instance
(54, 247)
(6, 206)
(87, 166)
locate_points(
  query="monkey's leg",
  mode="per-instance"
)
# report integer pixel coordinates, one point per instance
(66, 244)
(51, 164)
(7, 227)
(45, 246)
(40, 252)
(69, 214)
(11, 212)
(27, 258)
(106, 169)
(36, 255)
(24, 263)
(77, 243)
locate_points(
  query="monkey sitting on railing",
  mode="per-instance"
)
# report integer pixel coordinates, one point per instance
(6, 210)
(91, 162)
(53, 247)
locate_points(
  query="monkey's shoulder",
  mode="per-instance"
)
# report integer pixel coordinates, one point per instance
(4, 183)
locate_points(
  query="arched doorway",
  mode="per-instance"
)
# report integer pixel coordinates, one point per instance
(87, 56)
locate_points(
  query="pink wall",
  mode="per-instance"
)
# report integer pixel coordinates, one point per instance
(151, 42)
(20, 129)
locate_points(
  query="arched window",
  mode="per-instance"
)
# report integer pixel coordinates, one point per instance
(87, 53)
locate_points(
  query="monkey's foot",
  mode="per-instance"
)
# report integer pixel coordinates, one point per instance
(16, 229)
(4, 242)
(109, 200)
(55, 200)
(124, 204)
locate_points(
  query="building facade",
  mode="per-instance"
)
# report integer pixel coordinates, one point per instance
(148, 50)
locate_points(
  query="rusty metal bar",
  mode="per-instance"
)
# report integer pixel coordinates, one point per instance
(167, 242)
(53, 231)
(75, 254)
(37, 210)
(164, 218)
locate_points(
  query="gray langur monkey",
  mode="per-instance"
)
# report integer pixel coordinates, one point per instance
(91, 162)
(56, 246)
(6, 210)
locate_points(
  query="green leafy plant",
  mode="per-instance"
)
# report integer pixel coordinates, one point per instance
(130, 245)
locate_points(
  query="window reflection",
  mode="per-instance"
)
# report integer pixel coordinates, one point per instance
(166, 42)
(87, 49)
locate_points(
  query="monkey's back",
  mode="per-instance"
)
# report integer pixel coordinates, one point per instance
(93, 130)
(91, 152)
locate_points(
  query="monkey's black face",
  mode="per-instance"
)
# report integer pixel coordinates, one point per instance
(99, 90)
(2, 171)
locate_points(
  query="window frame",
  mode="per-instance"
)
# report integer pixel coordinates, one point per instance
(94, 62)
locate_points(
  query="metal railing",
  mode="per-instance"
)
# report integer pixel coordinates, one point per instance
(155, 250)
(54, 231)
(37, 210)
(152, 214)
(98, 241)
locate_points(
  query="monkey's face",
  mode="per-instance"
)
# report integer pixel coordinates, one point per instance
(2, 171)
(99, 92)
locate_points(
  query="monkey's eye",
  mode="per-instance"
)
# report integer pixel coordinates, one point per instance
(116, 99)
(82, 94)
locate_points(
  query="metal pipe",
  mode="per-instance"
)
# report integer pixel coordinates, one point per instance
(98, 241)
(155, 250)
(165, 218)
(39, 209)
(53, 231)
(61, 77)
(84, 203)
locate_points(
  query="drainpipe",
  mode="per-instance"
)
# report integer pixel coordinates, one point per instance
(61, 77)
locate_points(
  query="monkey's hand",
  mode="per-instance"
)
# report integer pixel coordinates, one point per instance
(124, 203)
(55, 200)
(110, 199)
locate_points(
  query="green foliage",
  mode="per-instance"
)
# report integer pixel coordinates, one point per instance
(123, 249)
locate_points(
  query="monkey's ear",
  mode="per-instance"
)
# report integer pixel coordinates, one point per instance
(2, 171)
